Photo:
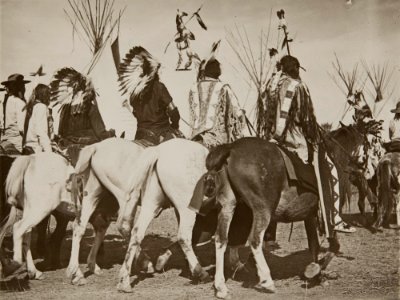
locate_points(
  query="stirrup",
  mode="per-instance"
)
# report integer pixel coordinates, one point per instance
(344, 227)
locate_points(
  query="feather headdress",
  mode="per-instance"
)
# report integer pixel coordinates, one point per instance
(71, 87)
(211, 56)
(138, 70)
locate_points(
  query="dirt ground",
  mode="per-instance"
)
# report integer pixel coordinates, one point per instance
(367, 268)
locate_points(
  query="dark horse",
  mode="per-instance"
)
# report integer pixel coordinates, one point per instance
(344, 144)
(252, 170)
(388, 173)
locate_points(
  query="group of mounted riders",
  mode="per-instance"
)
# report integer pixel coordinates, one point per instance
(289, 121)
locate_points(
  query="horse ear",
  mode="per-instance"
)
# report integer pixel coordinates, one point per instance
(122, 136)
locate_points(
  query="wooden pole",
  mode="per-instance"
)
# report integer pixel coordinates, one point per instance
(320, 193)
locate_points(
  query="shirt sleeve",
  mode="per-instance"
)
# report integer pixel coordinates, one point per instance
(39, 118)
(97, 123)
(165, 97)
(1, 116)
(391, 129)
(19, 106)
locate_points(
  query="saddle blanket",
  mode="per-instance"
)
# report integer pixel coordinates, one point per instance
(298, 172)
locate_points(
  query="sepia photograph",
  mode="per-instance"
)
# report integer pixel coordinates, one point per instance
(199, 149)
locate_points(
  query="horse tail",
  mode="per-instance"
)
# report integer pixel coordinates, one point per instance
(15, 179)
(142, 170)
(9, 221)
(384, 191)
(85, 157)
(217, 157)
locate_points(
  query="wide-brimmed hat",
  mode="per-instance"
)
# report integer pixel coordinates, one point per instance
(397, 109)
(15, 78)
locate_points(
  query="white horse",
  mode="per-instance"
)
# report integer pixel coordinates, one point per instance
(163, 175)
(35, 184)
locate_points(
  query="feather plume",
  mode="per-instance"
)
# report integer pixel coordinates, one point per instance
(71, 87)
(200, 21)
(137, 70)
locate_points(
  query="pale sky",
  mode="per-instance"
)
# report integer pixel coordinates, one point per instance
(35, 32)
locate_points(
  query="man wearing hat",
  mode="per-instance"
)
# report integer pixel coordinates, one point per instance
(14, 117)
(394, 125)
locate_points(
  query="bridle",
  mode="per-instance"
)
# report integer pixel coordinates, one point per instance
(326, 136)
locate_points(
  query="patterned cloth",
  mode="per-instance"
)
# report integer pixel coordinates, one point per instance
(288, 93)
(213, 117)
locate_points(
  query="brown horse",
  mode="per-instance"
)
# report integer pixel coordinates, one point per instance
(345, 144)
(388, 174)
(253, 171)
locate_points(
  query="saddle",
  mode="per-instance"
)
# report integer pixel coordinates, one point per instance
(393, 146)
(298, 172)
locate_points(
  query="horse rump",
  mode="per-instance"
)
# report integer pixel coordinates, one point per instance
(384, 193)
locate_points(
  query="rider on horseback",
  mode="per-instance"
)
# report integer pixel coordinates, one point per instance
(38, 126)
(81, 123)
(394, 131)
(11, 138)
(290, 120)
(152, 105)
(214, 119)
(156, 114)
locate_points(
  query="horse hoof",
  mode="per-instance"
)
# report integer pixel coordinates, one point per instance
(71, 271)
(78, 281)
(36, 275)
(200, 275)
(97, 271)
(312, 270)
(203, 277)
(266, 287)
(124, 288)
(222, 294)
(162, 260)
(150, 268)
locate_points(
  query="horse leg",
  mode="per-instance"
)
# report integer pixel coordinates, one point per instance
(127, 214)
(148, 211)
(53, 257)
(186, 224)
(314, 268)
(261, 218)
(33, 273)
(221, 241)
(100, 224)
(41, 241)
(31, 217)
(270, 234)
(228, 201)
(235, 263)
(89, 204)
